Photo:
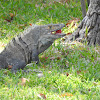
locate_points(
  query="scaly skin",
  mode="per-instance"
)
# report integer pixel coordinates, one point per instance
(26, 47)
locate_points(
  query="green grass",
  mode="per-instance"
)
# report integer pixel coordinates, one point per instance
(74, 70)
(35, 12)
(70, 72)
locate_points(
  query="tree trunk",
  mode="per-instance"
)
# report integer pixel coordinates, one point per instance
(88, 1)
(83, 6)
(89, 28)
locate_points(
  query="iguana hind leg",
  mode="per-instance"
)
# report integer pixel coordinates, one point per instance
(17, 64)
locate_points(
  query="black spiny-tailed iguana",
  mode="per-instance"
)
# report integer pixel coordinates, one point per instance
(26, 47)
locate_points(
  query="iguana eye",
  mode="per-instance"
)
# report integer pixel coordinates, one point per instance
(49, 27)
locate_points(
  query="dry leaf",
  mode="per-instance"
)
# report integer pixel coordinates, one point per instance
(98, 59)
(73, 20)
(44, 66)
(42, 96)
(23, 81)
(52, 58)
(10, 67)
(11, 17)
(11, 14)
(8, 20)
(46, 57)
(49, 72)
(40, 75)
(78, 72)
(65, 94)
(89, 89)
(30, 24)
(22, 26)
(62, 1)
(58, 58)
(49, 9)
(36, 5)
(2, 44)
(95, 83)
(68, 33)
(5, 72)
(67, 74)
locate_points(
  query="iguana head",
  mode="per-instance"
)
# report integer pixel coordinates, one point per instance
(49, 33)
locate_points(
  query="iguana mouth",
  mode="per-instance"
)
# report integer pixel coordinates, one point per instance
(56, 29)
(56, 32)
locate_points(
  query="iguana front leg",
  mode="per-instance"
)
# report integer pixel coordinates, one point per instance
(16, 65)
(35, 56)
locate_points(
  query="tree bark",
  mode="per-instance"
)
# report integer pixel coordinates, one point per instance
(89, 28)
(83, 6)
(88, 1)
